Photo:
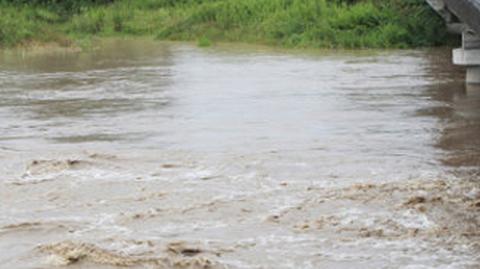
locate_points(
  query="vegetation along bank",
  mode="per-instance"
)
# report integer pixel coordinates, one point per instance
(288, 23)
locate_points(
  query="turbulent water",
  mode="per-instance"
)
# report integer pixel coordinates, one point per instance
(144, 154)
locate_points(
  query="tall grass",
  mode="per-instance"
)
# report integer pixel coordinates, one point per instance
(21, 25)
(290, 23)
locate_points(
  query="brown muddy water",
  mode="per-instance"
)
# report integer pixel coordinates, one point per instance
(141, 154)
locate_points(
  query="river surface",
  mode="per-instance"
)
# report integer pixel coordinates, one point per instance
(145, 154)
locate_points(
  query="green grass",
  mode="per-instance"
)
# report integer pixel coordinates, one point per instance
(204, 42)
(288, 23)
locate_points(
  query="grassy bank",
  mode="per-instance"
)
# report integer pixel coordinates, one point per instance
(290, 23)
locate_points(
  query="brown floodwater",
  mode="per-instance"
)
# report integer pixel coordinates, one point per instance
(143, 154)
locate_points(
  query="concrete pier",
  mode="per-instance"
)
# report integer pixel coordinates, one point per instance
(473, 75)
(470, 58)
(463, 17)
(469, 55)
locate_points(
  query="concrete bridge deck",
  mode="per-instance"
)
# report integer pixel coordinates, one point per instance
(463, 17)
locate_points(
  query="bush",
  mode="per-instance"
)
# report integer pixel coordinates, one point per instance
(16, 26)
(88, 22)
(204, 42)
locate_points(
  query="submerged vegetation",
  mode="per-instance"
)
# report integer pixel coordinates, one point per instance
(290, 23)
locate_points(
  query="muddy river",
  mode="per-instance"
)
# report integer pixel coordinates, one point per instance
(142, 154)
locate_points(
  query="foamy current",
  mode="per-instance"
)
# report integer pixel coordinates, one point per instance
(142, 154)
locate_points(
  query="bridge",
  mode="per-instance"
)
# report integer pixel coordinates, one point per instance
(463, 17)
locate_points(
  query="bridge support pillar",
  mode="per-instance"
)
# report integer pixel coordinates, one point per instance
(469, 56)
(473, 75)
(463, 17)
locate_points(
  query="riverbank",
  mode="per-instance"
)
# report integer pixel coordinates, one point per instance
(299, 24)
